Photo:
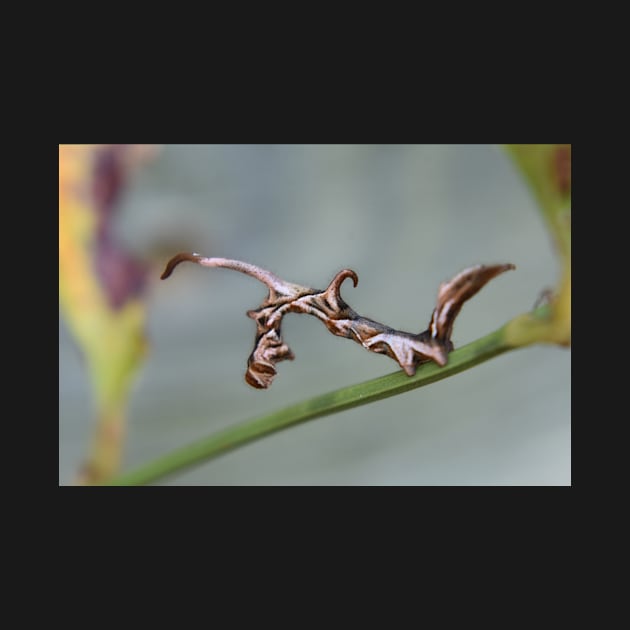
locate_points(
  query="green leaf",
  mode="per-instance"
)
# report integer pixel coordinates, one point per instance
(547, 169)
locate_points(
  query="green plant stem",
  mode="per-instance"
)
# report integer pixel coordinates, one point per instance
(229, 439)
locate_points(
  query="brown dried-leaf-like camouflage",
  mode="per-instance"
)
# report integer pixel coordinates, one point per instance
(408, 349)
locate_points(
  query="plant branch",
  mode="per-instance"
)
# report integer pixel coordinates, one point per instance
(234, 437)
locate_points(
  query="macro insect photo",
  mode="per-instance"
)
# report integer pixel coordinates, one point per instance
(444, 360)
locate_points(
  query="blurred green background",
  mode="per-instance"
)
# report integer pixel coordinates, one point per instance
(405, 218)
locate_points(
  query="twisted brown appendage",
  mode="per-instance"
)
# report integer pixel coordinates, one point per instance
(334, 288)
(453, 294)
(173, 262)
(408, 349)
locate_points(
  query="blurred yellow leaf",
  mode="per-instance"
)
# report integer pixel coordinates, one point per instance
(101, 288)
(547, 169)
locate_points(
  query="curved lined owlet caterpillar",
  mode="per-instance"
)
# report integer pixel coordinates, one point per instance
(408, 349)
